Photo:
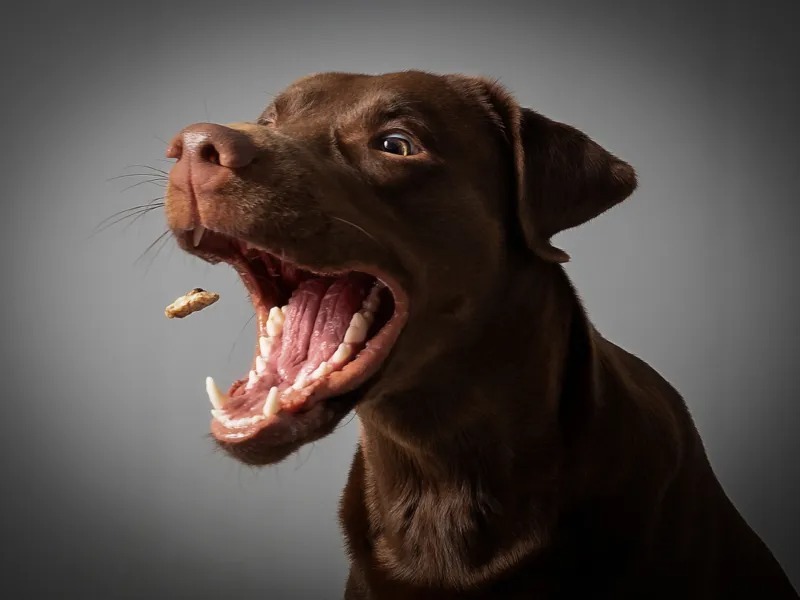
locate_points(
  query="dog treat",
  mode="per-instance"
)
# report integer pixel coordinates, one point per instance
(194, 300)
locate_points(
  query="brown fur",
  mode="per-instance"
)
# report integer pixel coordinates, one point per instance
(507, 449)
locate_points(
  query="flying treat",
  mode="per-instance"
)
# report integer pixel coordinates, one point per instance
(192, 301)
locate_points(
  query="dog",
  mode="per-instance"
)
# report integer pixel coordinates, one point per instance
(394, 235)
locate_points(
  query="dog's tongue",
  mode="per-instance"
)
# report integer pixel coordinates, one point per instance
(316, 319)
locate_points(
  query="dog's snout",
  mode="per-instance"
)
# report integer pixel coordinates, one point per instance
(207, 156)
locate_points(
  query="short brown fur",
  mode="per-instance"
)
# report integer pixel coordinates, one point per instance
(507, 449)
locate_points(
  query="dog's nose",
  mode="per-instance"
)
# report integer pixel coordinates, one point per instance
(207, 153)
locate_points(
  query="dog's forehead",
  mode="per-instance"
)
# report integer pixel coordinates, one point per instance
(339, 93)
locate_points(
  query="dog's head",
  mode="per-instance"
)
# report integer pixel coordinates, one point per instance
(372, 220)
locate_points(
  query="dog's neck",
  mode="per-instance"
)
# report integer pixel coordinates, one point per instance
(454, 473)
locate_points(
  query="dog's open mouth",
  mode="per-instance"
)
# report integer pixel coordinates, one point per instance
(319, 335)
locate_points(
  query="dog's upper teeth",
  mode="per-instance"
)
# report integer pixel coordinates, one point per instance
(272, 404)
(275, 322)
(357, 332)
(217, 398)
(197, 235)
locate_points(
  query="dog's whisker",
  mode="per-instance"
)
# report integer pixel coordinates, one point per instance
(160, 238)
(159, 181)
(154, 203)
(305, 460)
(361, 229)
(156, 176)
(238, 335)
(142, 213)
(135, 213)
(345, 423)
(165, 173)
(158, 251)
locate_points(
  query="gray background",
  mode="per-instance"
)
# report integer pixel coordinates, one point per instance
(111, 487)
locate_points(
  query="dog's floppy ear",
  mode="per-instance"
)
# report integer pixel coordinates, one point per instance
(563, 178)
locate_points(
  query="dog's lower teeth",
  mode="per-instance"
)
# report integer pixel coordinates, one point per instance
(275, 322)
(272, 404)
(265, 346)
(372, 300)
(251, 379)
(300, 382)
(244, 421)
(357, 332)
(355, 335)
(322, 370)
(215, 395)
(343, 352)
(225, 419)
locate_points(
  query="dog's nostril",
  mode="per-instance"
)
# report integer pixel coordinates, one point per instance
(209, 153)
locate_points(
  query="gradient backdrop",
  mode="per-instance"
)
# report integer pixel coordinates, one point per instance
(111, 487)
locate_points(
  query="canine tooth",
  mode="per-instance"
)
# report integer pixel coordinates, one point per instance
(321, 370)
(275, 322)
(197, 235)
(357, 332)
(251, 379)
(272, 404)
(342, 353)
(265, 346)
(217, 398)
(261, 365)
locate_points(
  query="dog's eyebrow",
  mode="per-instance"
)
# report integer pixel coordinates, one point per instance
(393, 108)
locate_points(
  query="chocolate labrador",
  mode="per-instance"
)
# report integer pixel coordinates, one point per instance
(393, 233)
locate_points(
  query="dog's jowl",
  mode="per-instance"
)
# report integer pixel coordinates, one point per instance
(394, 234)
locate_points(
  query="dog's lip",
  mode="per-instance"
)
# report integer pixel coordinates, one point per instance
(281, 427)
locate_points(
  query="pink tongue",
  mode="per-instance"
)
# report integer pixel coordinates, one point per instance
(317, 317)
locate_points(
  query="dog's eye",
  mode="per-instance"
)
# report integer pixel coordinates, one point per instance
(397, 143)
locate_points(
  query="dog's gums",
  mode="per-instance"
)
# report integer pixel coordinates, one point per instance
(319, 335)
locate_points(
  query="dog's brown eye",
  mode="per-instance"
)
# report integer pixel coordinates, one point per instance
(399, 144)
